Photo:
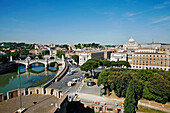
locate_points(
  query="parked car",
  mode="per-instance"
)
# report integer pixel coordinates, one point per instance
(90, 82)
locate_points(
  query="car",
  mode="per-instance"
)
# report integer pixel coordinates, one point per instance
(90, 83)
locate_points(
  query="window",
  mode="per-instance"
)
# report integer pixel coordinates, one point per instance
(153, 62)
(161, 62)
(157, 62)
(143, 61)
(165, 62)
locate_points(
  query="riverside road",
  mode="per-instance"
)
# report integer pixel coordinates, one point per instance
(62, 84)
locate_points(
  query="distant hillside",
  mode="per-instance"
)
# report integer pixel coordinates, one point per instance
(14, 45)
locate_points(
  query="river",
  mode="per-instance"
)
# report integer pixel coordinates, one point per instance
(36, 76)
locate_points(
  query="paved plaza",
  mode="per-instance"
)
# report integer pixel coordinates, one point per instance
(44, 104)
(90, 89)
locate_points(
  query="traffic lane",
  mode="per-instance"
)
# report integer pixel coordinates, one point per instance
(62, 84)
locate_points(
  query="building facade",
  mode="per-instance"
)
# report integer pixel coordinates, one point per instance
(83, 57)
(119, 57)
(141, 60)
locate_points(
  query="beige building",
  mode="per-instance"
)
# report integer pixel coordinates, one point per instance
(145, 60)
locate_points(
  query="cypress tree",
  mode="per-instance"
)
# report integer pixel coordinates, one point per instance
(129, 103)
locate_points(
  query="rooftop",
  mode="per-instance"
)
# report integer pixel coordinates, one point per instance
(45, 103)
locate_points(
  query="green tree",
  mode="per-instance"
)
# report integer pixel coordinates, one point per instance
(123, 63)
(113, 63)
(75, 58)
(40, 56)
(103, 79)
(129, 103)
(14, 55)
(24, 52)
(90, 65)
(60, 53)
(138, 91)
(43, 52)
(3, 58)
(106, 63)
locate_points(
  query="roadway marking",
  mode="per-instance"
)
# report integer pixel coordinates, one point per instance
(68, 89)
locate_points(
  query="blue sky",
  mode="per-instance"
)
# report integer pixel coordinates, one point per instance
(84, 21)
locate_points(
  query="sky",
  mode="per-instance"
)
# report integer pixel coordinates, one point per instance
(84, 21)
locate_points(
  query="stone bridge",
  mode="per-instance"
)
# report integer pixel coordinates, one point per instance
(28, 61)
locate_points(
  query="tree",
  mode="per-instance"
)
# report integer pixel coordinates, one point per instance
(24, 52)
(90, 65)
(43, 52)
(123, 63)
(106, 63)
(129, 103)
(75, 58)
(113, 63)
(15, 55)
(103, 79)
(138, 91)
(40, 56)
(3, 58)
(60, 53)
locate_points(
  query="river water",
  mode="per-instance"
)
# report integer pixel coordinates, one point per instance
(35, 77)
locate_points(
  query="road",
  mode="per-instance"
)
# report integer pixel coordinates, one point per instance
(62, 84)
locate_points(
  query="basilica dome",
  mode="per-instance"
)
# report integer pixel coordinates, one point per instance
(131, 40)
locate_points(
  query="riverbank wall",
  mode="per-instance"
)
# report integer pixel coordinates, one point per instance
(59, 75)
(8, 67)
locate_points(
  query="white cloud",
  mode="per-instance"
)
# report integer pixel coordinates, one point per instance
(161, 20)
(133, 14)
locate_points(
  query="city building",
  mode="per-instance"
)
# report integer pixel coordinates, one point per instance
(119, 56)
(130, 45)
(151, 45)
(83, 57)
(145, 60)
(101, 54)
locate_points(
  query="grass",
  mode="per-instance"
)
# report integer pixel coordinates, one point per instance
(148, 110)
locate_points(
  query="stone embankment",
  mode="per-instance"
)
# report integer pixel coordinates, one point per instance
(59, 75)
(8, 67)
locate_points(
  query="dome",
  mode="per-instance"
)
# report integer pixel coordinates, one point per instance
(131, 39)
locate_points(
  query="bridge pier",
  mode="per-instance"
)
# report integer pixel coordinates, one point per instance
(46, 66)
